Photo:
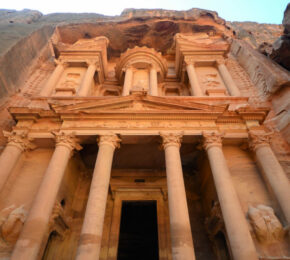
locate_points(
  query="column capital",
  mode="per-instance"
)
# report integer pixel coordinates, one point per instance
(259, 139)
(211, 139)
(189, 61)
(171, 139)
(20, 140)
(110, 139)
(127, 67)
(68, 140)
(221, 61)
(92, 62)
(63, 63)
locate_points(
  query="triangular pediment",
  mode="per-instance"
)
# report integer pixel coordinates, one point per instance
(135, 103)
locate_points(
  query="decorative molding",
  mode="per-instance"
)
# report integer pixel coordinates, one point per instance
(68, 140)
(211, 139)
(20, 140)
(171, 139)
(259, 139)
(110, 139)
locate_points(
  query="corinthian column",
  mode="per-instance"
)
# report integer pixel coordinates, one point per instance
(153, 86)
(181, 237)
(128, 81)
(36, 224)
(193, 80)
(91, 234)
(240, 239)
(271, 169)
(17, 143)
(227, 78)
(50, 84)
(88, 78)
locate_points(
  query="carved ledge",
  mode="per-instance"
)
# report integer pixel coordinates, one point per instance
(21, 141)
(68, 140)
(111, 139)
(171, 139)
(258, 139)
(211, 139)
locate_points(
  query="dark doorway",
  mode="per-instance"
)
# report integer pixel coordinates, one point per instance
(221, 247)
(138, 231)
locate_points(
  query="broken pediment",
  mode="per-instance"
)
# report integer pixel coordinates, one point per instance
(135, 103)
(96, 43)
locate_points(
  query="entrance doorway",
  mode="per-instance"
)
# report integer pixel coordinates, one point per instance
(138, 238)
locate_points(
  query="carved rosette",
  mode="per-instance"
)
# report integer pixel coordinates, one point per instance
(67, 140)
(112, 140)
(20, 140)
(258, 140)
(171, 139)
(212, 139)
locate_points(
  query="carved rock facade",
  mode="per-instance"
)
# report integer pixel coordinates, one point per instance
(66, 190)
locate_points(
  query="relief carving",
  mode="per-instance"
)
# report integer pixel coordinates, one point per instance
(265, 224)
(257, 139)
(211, 81)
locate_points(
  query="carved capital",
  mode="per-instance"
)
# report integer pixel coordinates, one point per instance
(61, 62)
(258, 140)
(68, 140)
(220, 62)
(92, 63)
(189, 60)
(211, 139)
(20, 140)
(171, 139)
(111, 139)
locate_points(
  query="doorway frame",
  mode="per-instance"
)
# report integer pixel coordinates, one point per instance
(164, 246)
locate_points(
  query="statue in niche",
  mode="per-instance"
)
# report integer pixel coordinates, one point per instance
(11, 222)
(211, 80)
(266, 225)
(71, 81)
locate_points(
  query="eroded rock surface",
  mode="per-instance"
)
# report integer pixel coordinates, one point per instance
(281, 47)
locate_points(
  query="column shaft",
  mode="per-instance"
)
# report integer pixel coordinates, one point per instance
(229, 82)
(240, 239)
(127, 82)
(91, 234)
(36, 224)
(8, 159)
(46, 91)
(193, 80)
(87, 81)
(275, 176)
(153, 86)
(181, 237)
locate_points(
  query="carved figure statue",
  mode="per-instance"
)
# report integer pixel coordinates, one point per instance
(266, 225)
(11, 222)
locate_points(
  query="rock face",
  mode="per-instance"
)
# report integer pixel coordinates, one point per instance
(281, 47)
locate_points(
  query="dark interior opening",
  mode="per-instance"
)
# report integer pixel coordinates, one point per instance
(138, 231)
(221, 246)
